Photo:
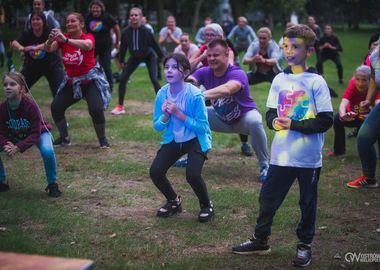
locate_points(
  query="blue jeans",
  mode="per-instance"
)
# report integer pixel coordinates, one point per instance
(45, 146)
(273, 192)
(368, 134)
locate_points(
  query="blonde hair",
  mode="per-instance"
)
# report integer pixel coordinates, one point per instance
(265, 30)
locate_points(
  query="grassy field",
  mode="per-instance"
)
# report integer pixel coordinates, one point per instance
(108, 206)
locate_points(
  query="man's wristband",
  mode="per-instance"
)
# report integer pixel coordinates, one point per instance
(67, 40)
(341, 119)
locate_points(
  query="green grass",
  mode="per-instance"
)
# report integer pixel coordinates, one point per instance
(109, 191)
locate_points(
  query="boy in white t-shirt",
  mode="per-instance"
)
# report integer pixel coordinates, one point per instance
(300, 111)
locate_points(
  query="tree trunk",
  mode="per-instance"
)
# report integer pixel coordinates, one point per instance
(238, 8)
(270, 21)
(160, 14)
(196, 15)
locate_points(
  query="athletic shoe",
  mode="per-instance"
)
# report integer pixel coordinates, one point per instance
(62, 142)
(182, 162)
(263, 174)
(352, 134)
(4, 186)
(246, 150)
(206, 213)
(118, 110)
(253, 246)
(170, 208)
(332, 154)
(363, 181)
(303, 257)
(104, 143)
(53, 190)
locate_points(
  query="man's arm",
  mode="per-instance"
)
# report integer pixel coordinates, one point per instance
(223, 90)
(192, 80)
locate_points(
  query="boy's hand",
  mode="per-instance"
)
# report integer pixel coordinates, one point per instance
(282, 123)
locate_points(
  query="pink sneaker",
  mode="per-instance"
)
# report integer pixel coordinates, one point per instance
(118, 110)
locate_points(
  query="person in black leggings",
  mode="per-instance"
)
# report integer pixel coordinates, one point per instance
(140, 42)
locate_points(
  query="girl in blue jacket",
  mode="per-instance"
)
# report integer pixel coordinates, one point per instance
(180, 111)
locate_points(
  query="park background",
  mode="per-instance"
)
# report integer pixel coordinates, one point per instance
(108, 206)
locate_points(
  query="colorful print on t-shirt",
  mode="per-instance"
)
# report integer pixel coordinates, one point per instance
(293, 104)
(37, 54)
(96, 26)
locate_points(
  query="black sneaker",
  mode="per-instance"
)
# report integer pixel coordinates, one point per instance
(4, 186)
(246, 150)
(254, 246)
(303, 257)
(170, 208)
(61, 142)
(53, 190)
(206, 213)
(104, 143)
(352, 134)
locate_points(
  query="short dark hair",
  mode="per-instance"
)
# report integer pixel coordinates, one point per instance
(303, 32)
(217, 42)
(98, 3)
(181, 61)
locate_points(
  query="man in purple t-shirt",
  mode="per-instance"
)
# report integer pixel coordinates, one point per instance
(234, 110)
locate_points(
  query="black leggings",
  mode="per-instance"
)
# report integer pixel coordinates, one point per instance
(336, 59)
(54, 74)
(130, 67)
(104, 52)
(65, 98)
(167, 156)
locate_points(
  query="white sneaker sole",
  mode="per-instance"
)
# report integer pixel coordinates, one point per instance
(120, 112)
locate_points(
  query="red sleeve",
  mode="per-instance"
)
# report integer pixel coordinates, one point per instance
(349, 91)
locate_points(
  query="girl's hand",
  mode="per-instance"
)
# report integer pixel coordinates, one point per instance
(282, 123)
(11, 149)
(165, 109)
(171, 107)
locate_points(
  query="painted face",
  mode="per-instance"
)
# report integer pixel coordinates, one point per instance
(36, 22)
(38, 5)
(185, 42)
(170, 22)
(217, 58)
(134, 16)
(328, 30)
(264, 39)
(96, 10)
(210, 35)
(11, 88)
(362, 82)
(73, 24)
(295, 51)
(173, 72)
